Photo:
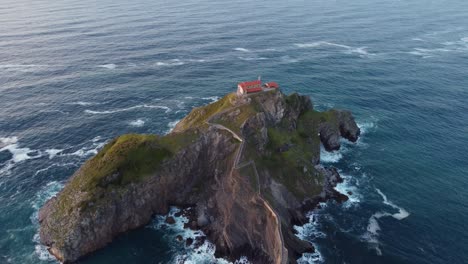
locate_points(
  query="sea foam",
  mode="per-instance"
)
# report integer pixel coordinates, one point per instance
(373, 227)
(137, 123)
(11, 145)
(242, 49)
(109, 66)
(201, 254)
(94, 112)
(50, 190)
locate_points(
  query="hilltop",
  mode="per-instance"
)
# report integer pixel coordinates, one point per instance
(248, 166)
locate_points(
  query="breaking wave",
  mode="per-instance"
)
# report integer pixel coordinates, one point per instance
(94, 112)
(109, 66)
(171, 125)
(242, 49)
(373, 228)
(309, 231)
(211, 98)
(19, 154)
(362, 51)
(349, 187)
(50, 190)
(137, 123)
(191, 254)
(252, 58)
(173, 62)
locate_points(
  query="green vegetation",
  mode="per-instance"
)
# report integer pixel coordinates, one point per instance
(235, 118)
(198, 116)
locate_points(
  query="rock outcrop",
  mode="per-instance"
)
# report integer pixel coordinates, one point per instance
(247, 166)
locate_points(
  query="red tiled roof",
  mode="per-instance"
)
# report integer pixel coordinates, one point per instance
(272, 84)
(252, 84)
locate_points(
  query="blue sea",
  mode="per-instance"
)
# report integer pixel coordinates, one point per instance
(75, 74)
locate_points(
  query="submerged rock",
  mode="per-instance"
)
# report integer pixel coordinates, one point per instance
(245, 166)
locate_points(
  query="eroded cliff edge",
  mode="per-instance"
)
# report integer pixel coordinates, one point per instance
(249, 166)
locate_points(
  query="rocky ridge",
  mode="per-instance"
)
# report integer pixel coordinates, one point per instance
(248, 167)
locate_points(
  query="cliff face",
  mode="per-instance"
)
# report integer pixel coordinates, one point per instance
(247, 165)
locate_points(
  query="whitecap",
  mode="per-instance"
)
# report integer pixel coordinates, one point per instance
(242, 49)
(202, 254)
(11, 145)
(50, 190)
(94, 112)
(252, 58)
(330, 156)
(211, 98)
(309, 231)
(109, 66)
(465, 39)
(349, 188)
(402, 213)
(82, 103)
(53, 152)
(53, 165)
(348, 49)
(137, 123)
(373, 227)
(310, 258)
(172, 125)
(174, 62)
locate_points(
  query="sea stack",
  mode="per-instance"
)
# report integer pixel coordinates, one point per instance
(247, 165)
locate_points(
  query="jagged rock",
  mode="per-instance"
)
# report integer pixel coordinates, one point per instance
(136, 176)
(188, 242)
(170, 220)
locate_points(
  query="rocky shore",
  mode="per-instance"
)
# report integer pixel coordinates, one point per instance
(248, 167)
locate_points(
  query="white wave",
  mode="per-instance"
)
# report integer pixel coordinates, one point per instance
(174, 62)
(109, 66)
(252, 58)
(53, 152)
(137, 123)
(349, 188)
(372, 234)
(330, 157)
(87, 151)
(83, 103)
(202, 254)
(242, 49)
(465, 39)
(288, 59)
(127, 109)
(196, 60)
(373, 227)
(19, 66)
(402, 213)
(50, 190)
(417, 39)
(311, 258)
(311, 230)
(54, 165)
(171, 125)
(367, 127)
(11, 145)
(188, 97)
(211, 98)
(348, 49)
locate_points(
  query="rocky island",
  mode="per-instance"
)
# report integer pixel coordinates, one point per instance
(247, 165)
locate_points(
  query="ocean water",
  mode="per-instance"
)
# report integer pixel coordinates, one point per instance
(75, 74)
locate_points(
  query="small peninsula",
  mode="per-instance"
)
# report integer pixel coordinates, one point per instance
(247, 166)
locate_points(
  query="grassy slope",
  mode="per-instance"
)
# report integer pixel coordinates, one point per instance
(131, 158)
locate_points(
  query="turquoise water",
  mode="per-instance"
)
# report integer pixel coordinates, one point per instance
(74, 74)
